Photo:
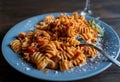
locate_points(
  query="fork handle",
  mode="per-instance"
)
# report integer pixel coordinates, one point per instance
(116, 62)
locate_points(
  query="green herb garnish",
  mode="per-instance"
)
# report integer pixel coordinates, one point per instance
(93, 24)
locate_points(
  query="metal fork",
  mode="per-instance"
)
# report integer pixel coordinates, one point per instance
(83, 42)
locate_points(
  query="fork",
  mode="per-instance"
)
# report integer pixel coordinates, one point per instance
(83, 42)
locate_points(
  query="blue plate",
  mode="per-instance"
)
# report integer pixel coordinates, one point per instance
(111, 45)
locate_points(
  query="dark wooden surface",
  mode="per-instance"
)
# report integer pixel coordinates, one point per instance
(14, 11)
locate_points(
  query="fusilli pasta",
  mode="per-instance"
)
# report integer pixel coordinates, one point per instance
(53, 44)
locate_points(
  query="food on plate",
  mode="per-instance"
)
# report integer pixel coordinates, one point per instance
(54, 44)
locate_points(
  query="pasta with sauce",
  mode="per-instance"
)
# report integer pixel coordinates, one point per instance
(54, 45)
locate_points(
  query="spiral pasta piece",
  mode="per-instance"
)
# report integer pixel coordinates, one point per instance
(51, 49)
(16, 46)
(65, 65)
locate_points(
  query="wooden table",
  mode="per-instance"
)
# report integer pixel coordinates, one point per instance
(14, 11)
